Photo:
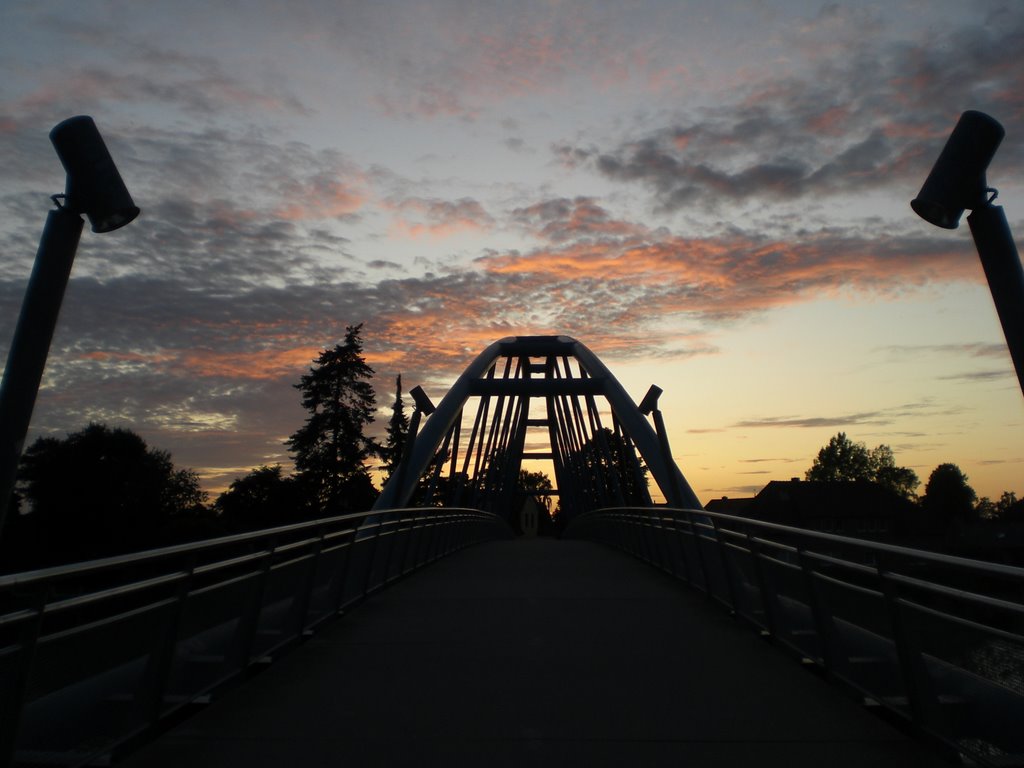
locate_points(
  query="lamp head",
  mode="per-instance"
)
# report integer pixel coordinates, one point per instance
(650, 401)
(94, 187)
(957, 180)
(423, 404)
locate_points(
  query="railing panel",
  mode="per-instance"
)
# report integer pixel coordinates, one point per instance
(383, 548)
(792, 613)
(328, 582)
(716, 577)
(209, 634)
(974, 679)
(861, 649)
(746, 587)
(93, 654)
(86, 688)
(938, 640)
(283, 600)
(693, 562)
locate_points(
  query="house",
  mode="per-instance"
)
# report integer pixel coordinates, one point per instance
(858, 509)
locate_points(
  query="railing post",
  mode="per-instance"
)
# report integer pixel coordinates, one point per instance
(422, 551)
(305, 597)
(156, 677)
(391, 549)
(730, 582)
(822, 622)
(10, 722)
(762, 585)
(682, 550)
(921, 698)
(249, 621)
(695, 533)
(338, 601)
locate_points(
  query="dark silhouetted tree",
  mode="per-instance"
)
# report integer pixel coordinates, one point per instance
(1006, 500)
(616, 474)
(947, 496)
(843, 460)
(103, 491)
(332, 448)
(397, 433)
(536, 481)
(884, 471)
(261, 499)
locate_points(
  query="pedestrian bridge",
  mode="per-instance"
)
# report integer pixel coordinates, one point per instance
(423, 632)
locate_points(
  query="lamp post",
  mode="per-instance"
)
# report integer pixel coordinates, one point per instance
(93, 188)
(649, 407)
(957, 182)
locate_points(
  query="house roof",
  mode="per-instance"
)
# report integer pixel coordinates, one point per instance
(800, 500)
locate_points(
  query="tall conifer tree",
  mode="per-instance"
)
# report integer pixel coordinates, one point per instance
(332, 448)
(397, 433)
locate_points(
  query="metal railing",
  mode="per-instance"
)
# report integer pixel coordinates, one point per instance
(95, 655)
(936, 640)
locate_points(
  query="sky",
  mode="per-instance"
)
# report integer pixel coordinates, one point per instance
(713, 197)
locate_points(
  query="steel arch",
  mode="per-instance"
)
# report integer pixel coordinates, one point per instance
(482, 379)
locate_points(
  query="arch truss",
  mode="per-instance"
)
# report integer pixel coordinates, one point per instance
(535, 399)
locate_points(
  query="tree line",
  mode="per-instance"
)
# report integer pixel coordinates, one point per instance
(103, 491)
(947, 494)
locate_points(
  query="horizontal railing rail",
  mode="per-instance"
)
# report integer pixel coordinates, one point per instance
(935, 639)
(94, 655)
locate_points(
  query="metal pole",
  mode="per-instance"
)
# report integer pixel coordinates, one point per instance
(410, 441)
(678, 496)
(1002, 267)
(31, 342)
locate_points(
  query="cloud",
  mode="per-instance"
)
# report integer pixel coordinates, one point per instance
(559, 220)
(857, 122)
(976, 376)
(975, 349)
(420, 217)
(878, 418)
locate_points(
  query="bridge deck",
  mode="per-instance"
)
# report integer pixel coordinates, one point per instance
(535, 652)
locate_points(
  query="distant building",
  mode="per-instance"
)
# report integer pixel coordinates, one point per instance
(859, 509)
(999, 540)
(727, 506)
(864, 510)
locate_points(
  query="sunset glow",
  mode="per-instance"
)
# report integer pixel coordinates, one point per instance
(712, 200)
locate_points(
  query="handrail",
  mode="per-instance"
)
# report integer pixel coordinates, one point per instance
(117, 561)
(110, 648)
(946, 657)
(809, 533)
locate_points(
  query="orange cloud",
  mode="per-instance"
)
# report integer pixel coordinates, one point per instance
(260, 365)
(419, 217)
(609, 294)
(322, 198)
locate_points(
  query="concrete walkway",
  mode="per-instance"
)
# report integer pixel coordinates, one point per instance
(535, 653)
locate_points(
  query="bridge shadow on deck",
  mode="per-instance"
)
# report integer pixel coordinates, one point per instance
(535, 652)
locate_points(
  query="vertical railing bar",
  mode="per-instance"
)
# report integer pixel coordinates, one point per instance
(821, 622)
(729, 580)
(696, 535)
(10, 725)
(339, 603)
(158, 672)
(762, 583)
(920, 697)
(249, 621)
(682, 550)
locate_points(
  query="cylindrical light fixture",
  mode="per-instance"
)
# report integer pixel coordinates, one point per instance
(94, 187)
